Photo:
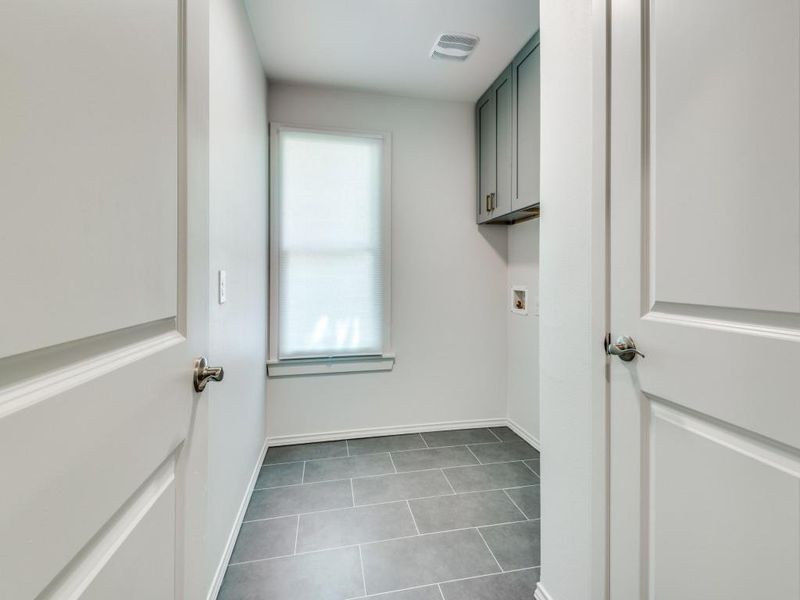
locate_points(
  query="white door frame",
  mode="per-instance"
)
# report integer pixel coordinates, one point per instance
(194, 573)
(600, 268)
(598, 206)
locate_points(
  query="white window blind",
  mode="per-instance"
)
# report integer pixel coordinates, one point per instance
(330, 244)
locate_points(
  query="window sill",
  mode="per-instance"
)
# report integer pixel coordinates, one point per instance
(327, 366)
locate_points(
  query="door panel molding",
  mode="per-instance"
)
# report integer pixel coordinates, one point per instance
(734, 498)
(74, 460)
(748, 380)
(78, 575)
(647, 194)
(743, 441)
(756, 322)
(41, 374)
(741, 105)
(92, 148)
(181, 308)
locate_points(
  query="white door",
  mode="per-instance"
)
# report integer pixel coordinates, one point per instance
(103, 243)
(705, 277)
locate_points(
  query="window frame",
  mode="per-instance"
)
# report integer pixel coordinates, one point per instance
(277, 367)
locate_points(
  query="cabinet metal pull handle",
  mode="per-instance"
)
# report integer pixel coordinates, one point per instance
(488, 198)
(494, 204)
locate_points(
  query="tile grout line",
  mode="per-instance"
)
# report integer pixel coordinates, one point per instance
(393, 465)
(490, 550)
(427, 447)
(473, 454)
(394, 539)
(303, 476)
(352, 493)
(424, 585)
(527, 466)
(324, 510)
(412, 517)
(502, 462)
(363, 572)
(495, 435)
(448, 481)
(480, 464)
(347, 445)
(296, 535)
(497, 462)
(516, 505)
(424, 441)
(441, 593)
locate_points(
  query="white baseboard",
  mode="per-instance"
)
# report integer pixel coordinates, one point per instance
(524, 434)
(541, 593)
(237, 525)
(285, 440)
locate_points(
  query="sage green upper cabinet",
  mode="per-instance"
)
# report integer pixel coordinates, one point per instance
(487, 154)
(505, 124)
(526, 113)
(495, 116)
(508, 141)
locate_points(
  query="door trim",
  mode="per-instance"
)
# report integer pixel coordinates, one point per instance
(599, 576)
(600, 293)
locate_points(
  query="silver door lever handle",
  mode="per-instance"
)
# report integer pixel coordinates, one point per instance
(203, 374)
(623, 347)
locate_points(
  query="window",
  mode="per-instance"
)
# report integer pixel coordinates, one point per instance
(329, 251)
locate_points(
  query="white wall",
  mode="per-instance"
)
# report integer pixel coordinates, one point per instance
(238, 244)
(570, 303)
(448, 276)
(523, 330)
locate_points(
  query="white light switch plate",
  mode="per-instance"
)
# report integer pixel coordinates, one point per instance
(222, 287)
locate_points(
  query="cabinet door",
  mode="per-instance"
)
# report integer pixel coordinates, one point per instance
(526, 163)
(487, 154)
(504, 96)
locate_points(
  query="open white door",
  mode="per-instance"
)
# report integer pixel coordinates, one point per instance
(103, 239)
(705, 277)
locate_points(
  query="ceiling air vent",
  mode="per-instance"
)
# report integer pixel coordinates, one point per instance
(454, 46)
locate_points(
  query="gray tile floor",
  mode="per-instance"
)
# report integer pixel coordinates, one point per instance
(447, 515)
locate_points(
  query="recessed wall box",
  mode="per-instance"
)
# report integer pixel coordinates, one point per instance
(519, 299)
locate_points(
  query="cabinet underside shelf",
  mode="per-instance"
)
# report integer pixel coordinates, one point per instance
(517, 216)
